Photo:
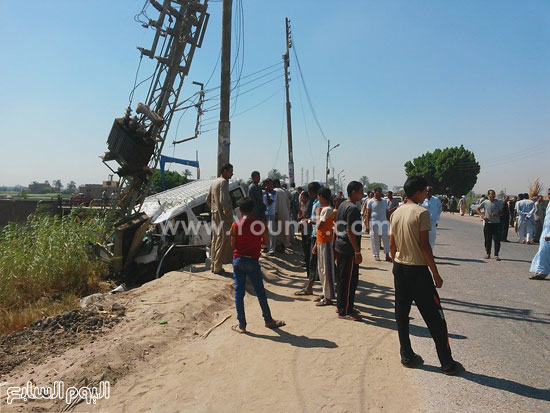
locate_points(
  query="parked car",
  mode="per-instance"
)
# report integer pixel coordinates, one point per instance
(81, 199)
(474, 206)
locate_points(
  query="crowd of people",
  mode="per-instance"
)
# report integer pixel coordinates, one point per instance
(530, 219)
(330, 227)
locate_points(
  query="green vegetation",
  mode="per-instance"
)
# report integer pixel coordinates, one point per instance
(371, 186)
(45, 264)
(275, 174)
(171, 179)
(451, 171)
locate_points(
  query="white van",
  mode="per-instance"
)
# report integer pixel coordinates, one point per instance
(186, 205)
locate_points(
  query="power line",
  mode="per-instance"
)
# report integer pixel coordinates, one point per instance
(305, 89)
(246, 83)
(258, 104)
(214, 70)
(247, 76)
(305, 122)
(245, 92)
(131, 95)
(280, 142)
(241, 34)
(244, 111)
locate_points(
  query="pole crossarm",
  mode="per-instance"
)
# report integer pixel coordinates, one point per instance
(136, 143)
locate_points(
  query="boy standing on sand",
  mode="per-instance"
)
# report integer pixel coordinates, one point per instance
(323, 247)
(247, 236)
(412, 256)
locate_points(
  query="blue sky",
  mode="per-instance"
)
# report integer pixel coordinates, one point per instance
(389, 80)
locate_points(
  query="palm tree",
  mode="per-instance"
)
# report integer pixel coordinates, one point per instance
(275, 174)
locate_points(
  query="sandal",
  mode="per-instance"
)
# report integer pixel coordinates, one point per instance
(303, 291)
(317, 299)
(323, 303)
(275, 324)
(237, 329)
(538, 277)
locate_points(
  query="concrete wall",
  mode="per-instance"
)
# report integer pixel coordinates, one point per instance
(18, 210)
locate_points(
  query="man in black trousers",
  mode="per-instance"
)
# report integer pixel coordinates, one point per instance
(413, 259)
(348, 251)
(505, 220)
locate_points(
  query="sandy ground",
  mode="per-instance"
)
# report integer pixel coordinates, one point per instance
(165, 356)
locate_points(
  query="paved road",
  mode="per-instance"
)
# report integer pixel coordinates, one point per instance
(499, 324)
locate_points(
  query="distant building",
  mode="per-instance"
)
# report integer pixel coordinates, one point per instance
(95, 191)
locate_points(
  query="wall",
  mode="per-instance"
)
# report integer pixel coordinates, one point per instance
(18, 210)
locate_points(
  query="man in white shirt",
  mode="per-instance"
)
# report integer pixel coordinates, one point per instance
(378, 225)
(525, 209)
(434, 207)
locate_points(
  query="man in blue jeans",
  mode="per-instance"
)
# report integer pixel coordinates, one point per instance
(247, 236)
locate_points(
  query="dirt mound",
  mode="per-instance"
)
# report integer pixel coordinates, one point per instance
(54, 335)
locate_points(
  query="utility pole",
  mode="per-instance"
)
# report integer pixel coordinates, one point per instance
(288, 117)
(307, 175)
(333, 180)
(224, 127)
(326, 167)
(327, 170)
(302, 177)
(198, 169)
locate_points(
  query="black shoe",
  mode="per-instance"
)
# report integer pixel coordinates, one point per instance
(412, 362)
(452, 369)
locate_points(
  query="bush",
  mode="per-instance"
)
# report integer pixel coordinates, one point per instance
(47, 257)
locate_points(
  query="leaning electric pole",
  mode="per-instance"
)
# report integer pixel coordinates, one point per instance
(224, 129)
(288, 117)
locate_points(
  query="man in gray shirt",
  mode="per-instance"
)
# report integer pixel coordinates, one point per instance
(492, 211)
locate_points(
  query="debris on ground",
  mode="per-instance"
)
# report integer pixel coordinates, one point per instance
(54, 335)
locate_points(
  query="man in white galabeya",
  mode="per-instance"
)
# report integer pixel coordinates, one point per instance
(377, 224)
(525, 210)
(221, 208)
(433, 205)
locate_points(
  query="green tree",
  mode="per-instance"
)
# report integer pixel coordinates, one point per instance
(373, 185)
(332, 184)
(364, 180)
(70, 188)
(187, 174)
(58, 186)
(171, 180)
(451, 171)
(275, 174)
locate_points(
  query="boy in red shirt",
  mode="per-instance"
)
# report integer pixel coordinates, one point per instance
(247, 236)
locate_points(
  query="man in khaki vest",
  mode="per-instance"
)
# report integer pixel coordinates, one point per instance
(221, 208)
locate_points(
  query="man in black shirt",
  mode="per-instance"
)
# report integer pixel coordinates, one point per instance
(256, 195)
(348, 251)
